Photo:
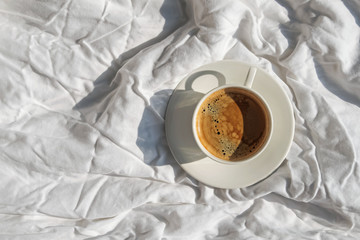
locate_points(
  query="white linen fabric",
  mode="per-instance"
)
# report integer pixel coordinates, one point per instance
(84, 88)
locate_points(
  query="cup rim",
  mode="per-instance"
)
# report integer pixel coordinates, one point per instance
(205, 151)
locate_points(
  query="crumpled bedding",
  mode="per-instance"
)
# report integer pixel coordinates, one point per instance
(84, 89)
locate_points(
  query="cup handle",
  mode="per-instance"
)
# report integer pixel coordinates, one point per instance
(250, 77)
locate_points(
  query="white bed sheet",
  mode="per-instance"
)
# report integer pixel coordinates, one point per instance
(84, 86)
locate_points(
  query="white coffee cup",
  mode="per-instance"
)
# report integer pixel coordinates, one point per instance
(247, 86)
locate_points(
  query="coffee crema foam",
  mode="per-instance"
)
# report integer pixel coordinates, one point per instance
(232, 124)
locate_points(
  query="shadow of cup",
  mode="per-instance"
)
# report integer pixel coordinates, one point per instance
(212, 78)
(186, 149)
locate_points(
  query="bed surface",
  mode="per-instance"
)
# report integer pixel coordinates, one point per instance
(84, 87)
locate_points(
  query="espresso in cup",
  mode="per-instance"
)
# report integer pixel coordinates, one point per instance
(233, 124)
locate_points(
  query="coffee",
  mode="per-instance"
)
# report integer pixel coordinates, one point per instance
(232, 124)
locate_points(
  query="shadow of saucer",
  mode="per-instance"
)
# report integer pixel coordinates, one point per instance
(151, 139)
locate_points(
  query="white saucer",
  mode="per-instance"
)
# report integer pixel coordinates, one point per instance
(182, 143)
